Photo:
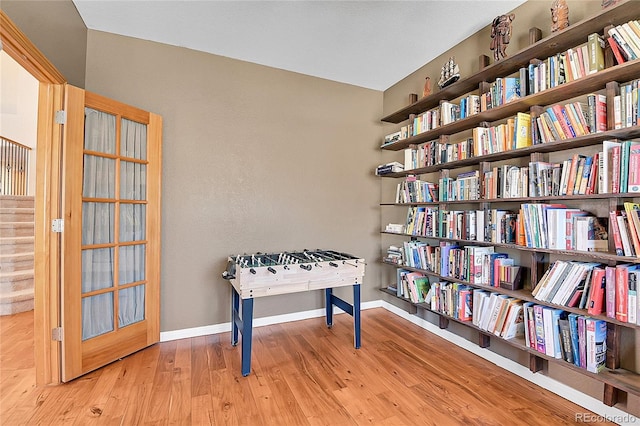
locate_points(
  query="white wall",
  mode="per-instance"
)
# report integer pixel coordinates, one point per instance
(19, 109)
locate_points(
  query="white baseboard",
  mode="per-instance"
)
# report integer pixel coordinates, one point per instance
(603, 411)
(166, 336)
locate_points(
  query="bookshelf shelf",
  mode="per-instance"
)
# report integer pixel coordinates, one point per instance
(524, 295)
(607, 81)
(619, 378)
(579, 142)
(592, 256)
(583, 86)
(562, 40)
(518, 199)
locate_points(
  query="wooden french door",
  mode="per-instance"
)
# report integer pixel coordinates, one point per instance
(111, 237)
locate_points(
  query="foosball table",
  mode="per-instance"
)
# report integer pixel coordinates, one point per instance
(260, 274)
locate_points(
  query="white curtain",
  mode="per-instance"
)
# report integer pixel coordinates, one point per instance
(133, 187)
(98, 223)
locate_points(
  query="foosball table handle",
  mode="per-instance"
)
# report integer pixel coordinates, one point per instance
(306, 267)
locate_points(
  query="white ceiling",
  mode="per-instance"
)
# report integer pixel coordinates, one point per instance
(371, 44)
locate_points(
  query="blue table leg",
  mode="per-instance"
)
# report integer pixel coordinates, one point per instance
(356, 315)
(235, 315)
(247, 327)
(329, 306)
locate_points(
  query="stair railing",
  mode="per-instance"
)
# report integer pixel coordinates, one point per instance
(14, 167)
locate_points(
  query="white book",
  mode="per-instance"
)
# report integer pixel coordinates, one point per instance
(487, 310)
(606, 154)
(514, 325)
(568, 283)
(479, 297)
(549, 335)
(495, 313)
(552, 279)
(556, 228)
(480, 225)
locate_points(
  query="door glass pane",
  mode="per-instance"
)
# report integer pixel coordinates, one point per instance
(97, 223)
(133, 142)
(97, 269)
(130, 305)
(99, 177)
(97, 315)
(133, 181)
(99, 131)
(132, 222)
(132, 263)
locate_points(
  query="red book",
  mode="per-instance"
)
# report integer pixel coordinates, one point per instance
(573, 173)
(593, 176)
(560, 113)
(622, 292)
(615, 230)
(595, 305)
(601, 113)
(616, 50)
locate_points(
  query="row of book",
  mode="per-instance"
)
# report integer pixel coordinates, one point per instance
(601, 289)
(493, 225)
(575, 119)
(567, 66)
(514, 134)
(433, 153)
(625, 106)
(615, 169)
(577, 339)
(412, 285)
(625, 41)
(473, 264)
(414, 190)
(554, 226)
(549, 226)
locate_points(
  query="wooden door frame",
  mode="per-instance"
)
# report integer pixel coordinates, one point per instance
(47, 198)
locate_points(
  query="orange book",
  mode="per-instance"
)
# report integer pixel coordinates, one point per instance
(622, 292)
(573, 172)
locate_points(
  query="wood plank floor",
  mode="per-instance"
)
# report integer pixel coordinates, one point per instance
(302, 374)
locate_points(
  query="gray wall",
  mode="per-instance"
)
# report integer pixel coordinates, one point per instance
(57, 29)
(254, 159)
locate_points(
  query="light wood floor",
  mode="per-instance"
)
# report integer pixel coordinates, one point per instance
(302, 374)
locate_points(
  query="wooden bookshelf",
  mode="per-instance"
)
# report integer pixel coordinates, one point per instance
(606, 81)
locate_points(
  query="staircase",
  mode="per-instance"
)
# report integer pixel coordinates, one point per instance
(16, 254)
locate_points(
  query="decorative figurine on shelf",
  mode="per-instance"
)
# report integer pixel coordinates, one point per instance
(607, 3)
(427, 87)
(501, 35)
(450, 73)
(559, 15)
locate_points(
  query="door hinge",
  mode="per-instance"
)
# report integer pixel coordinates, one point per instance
(57, 225)
(56, 334)
(61, 117)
